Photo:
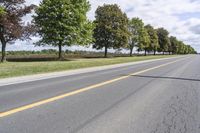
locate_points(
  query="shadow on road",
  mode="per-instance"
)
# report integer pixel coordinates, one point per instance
(159, 77)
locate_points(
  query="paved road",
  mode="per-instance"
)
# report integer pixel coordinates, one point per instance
(158, 97)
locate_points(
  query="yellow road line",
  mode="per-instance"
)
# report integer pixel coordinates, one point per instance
(19, 109)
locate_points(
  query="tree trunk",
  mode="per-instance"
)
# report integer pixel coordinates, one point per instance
(163, 52)
(106, 51)
(60, 52)
(154, 52)
(145, 52)
(169, 53)
(131, 51)
(3, 50)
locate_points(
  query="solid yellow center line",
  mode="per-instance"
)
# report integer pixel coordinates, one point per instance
(22, 108)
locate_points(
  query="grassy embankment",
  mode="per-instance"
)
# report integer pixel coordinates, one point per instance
(13, 69)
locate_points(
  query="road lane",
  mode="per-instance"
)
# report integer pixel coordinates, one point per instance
(81, 90)
(169, 104)
(13, 96)
(143, 103)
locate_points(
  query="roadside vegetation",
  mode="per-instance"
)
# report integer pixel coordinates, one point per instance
(12, 69)
(64, 23)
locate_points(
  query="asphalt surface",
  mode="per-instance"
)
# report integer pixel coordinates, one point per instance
(161, 100)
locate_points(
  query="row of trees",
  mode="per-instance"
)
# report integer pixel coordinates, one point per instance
(114, 30)
(64, 23)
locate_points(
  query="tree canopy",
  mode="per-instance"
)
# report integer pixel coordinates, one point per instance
(111, 28)
(179, 47)
(136, 29)
(163, 39)
(144, 41)
(12, 26)
(154, 45)
(63, 23)
(2, 11)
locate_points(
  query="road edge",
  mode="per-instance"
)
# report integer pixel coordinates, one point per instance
(38, 77)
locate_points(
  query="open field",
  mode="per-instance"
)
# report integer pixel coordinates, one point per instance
(52, 55)
(12, 69)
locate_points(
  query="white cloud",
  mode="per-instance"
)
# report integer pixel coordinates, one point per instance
(163, 13)
(160, 13)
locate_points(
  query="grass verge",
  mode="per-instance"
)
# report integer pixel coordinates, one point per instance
(13, 69)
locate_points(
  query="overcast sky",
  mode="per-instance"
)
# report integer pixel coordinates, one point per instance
(180, 17)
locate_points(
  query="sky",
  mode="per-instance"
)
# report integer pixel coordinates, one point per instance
(180, 17)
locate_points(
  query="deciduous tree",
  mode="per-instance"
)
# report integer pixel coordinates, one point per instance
(174, 44)
(163, 39)
(154, 45)
(111, 28)
(12, 26)
(63, 23)
(144, 40)
(135, 28)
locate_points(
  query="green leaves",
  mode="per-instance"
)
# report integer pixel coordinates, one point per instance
(63, 22)
(163, 39)
(139, 35)
(135, 28)
(178, 47)
(2, 11)
(154, 45)
(111, 28)
(144, 39)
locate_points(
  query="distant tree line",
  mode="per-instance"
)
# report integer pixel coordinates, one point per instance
(62, 23)
(53, 53)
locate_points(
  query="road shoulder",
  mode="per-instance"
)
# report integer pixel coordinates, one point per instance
(37, 77)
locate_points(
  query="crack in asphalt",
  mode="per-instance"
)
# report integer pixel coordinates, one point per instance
(181, 115)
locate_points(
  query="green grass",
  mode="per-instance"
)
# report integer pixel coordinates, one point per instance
(13, 69)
